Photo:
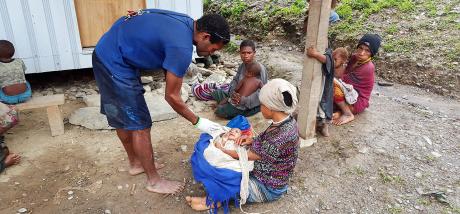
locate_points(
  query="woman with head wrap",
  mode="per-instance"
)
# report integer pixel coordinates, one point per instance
(274, 151)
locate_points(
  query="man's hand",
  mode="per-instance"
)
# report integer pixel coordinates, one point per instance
(207, 126)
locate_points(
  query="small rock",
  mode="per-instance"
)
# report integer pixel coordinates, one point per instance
(119, 187)
(418, 175)
(384, 83)
(70, 197)
(24, 194)
(80, 94)
(427, 140)
(73, 89)
(107, 212)
(22, 210)
(213, 66)
(290, 49)
(16, 183)
(183, 148)
(363, 150)
(146, 79)
(70, 192)
(200, 65)
(419, 190)
(45, 200)
(436, 154)
(370, 189)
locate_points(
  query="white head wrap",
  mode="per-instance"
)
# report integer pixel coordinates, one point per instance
(271, 95)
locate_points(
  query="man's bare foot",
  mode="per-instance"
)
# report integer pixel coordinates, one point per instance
(336, 115)
(199, 203)
(12, 159)
(165, 187)
(345, 118)
(136, 170)
(325, 129)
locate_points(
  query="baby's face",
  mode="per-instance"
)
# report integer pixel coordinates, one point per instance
(234, 134)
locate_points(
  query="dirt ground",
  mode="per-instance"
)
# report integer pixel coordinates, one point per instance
(407, 143)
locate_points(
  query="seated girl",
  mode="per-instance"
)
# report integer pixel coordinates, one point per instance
(274, 153)
(14, 87)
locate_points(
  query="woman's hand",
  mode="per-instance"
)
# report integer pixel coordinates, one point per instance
(312, 52)
(244, 140)
(236, 98)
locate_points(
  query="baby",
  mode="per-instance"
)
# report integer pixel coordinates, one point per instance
(225, 138)
(250, 83)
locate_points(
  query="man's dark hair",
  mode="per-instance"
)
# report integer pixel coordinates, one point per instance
(216, 26)
(6, 49)
(248, 43)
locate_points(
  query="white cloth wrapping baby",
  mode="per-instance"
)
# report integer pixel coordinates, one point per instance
(219, 159)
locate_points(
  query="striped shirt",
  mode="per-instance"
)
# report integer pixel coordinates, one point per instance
(278, 148)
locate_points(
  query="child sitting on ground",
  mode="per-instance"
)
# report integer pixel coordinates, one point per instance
(8, 119)
(249, 84)
(338, 64)
(14, 87)
(274, 151)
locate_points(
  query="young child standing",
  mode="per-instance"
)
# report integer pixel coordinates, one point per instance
(14, 87)
(274, 151)
(334, 63)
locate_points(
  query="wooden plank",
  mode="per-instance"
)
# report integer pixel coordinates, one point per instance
(55, 120)
(310, 90)
(41, 102)
(95, 17)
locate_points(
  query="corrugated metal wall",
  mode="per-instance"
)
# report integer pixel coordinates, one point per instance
(45, 32)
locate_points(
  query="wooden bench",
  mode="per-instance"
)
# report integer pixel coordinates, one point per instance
(51, 103)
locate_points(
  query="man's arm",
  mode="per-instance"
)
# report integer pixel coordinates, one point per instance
(172, 96)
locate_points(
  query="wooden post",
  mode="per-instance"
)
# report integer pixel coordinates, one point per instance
(310, 90)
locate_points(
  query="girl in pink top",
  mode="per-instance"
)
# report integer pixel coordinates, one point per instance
(360, 74)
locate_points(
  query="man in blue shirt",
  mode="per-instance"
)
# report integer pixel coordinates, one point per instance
(150, 39)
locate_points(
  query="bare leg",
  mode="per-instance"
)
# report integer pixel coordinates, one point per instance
(135, 166)
(142, 147)
(199, 203)
(346, 117)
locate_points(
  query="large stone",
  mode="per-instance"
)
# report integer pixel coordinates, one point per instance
(93, 100)
(90, 117)
(216, 78)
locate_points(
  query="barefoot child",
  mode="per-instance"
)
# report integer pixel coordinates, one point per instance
(274, 151)
(8, 119)
(334, 65)
(14, 87)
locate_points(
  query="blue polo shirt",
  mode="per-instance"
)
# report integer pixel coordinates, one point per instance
(156, 39)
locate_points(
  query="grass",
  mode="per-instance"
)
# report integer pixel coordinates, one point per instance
(386, 178)
(393, 28)
(231, 47)
(395, 210)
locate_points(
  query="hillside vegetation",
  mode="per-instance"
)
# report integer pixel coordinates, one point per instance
(421, 38)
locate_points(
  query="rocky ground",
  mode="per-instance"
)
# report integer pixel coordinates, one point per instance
(400, 156)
